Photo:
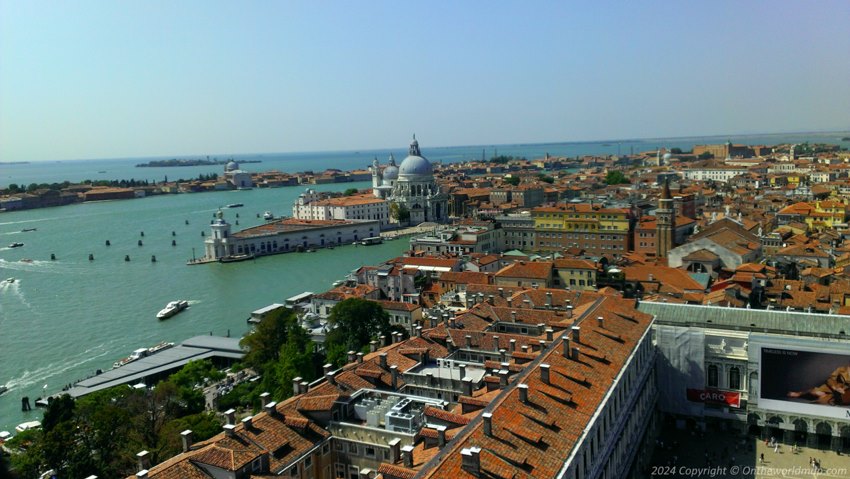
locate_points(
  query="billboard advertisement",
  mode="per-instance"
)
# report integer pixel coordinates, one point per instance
(805, 381)
(714, 396)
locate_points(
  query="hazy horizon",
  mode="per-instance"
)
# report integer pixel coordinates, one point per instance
(103, 80)
(425, 147)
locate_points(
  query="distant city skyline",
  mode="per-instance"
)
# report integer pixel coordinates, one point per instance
(98, 79)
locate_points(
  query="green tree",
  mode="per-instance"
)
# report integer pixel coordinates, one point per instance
(545, 178)
(350, 191)
(706, 155)
(399, 212)
(616, 177)
(512, 180)
(265, 342)
(355, 322)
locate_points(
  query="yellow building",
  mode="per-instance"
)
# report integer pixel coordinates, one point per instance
(818, 215)
(597, 230)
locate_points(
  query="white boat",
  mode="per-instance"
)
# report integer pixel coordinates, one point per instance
(172, 308)
(142, 353)
(9, 280)
(28, 425)
(268, 216)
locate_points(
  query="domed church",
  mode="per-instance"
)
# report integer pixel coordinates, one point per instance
(412, 185)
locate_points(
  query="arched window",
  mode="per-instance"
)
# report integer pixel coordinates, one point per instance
(712, 376)
(734, 378)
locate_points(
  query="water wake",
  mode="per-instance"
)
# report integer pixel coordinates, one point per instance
(42, 374)
(14, 289)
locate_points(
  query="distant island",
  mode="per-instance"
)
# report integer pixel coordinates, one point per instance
(175, 162)
(14, 162)
(846, 138)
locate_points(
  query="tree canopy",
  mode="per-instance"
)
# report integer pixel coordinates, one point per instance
(356, 322)
(616, 177)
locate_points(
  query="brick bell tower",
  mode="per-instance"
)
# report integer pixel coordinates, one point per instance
(665, 220)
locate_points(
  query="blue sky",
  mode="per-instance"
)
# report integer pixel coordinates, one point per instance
(106, 79)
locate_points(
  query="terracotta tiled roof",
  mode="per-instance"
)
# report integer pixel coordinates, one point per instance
(527, 270)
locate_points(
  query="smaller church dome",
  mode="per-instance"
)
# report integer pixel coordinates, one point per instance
(391, 171)
(231, 166)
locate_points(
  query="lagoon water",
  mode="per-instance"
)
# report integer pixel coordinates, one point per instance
(62, 320)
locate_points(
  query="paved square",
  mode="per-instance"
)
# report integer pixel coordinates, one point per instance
(733, 455)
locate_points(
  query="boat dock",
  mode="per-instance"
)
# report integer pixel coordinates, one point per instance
(149, 369)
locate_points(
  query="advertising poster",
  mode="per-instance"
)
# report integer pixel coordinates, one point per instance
(805, 382)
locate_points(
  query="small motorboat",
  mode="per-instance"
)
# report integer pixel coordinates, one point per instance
(24, 426)
(235, 205)
(25, 260)
(3, 389)
(16, 245)
(172, 308)
(8, 281)
(268, 216)
(27, 230)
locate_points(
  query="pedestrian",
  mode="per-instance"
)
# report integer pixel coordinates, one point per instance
(761, 458)
(776, 448)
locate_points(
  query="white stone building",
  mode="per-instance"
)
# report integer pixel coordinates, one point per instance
(312, 205)
(283, 236)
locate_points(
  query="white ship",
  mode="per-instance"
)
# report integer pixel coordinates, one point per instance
(172, 308)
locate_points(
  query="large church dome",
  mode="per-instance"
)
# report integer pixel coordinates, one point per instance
(415, 164)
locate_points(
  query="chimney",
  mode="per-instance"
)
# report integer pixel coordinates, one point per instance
(296, 389)
(651, 277)
(143, 474)
(501, 292)
(566, 346)
(441, 436)
(144, 458)
(359, 358)
(510, 302)
(433, 321)
(512, 345)
(327, 368)
(248, 422)
(490, 299)
(495, 342)
(503, 378)
(394, 372)
(352, 356)
(452, 323)
(601, 322)
(331, 378)
(304, 386)
(395, 450)
(229, 430)
(430, 380)
(383, 360)
(384, 340)
(513, 316)
(186, 439)
(470, 460)
(576, 350)
(418, 331)
(569, 311)
(523, 393)
(373, 346)
(576, 334)
(548, 299)
(407, 455)
(544, 373)
(230, 414)
(450, 344)
(462, 370)
(550, 334)
(502, 355)
(467, 386)
(468, 341)
(264, 398)
(525, 348)
(446, 319)
(527, 303)
(488, 424)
